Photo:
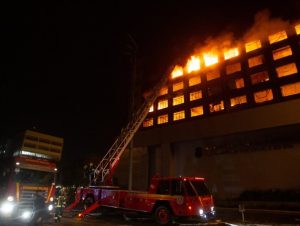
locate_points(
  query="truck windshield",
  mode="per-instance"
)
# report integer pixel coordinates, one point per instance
(196, 186)
(27, 176)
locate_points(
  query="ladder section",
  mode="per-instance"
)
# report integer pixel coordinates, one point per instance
(109, 162)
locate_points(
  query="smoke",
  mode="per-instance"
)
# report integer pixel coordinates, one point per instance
(264, 25)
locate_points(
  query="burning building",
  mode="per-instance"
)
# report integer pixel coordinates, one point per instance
(231, 115)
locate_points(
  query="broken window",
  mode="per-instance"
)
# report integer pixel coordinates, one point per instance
(177, 86)
(231, 68)
(210, 75)
(279, 36)
(259, 77)
(148, 122)
(194, 80)
(214, 90)
(216, 106)
(282, 52)
(195, 111)
(238, 100)
(287, 69)
(255, 61)
(163, 91)
(263, 96)
(230, 53)
(290, 89)
(236, 83)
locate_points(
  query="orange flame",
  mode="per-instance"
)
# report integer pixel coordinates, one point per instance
(193, 64)
(230, 53)
(210, 58)
(177, 71)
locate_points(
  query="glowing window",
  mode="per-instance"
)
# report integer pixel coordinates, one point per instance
(217, 106)
(250, 46)
(210, 75)
(163, 91)
(279, 36)
(297, 28)
(263, 96)
(238, 100)
(236, 83)
(178, 100)
(282, 52)
(259, 77)
(177, 72)
(255, 61)
(151, 108)
(196, 95)
(231, 68)
(286, 70)
(162, 104)
(194, 81)
(230, 53)
(178, 115)
(290, 89)
(196, 111)
(177, 86)
(148, 122)
(162, 119)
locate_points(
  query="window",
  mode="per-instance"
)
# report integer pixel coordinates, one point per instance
(163, 187)
(230, 53)
(178, 100)
(216, 106)
(31, 138)
(263, 96)
(212, 75)
(290, 89)
(236, 83)
(163, 91)
(178, 115)
(286, 70)
(297, 28)
(162, 104)
(259, 77)
(177, 187)
(196, 111)
(194, 80)
(231, 68)
(196, 95)
(177, 86)
(250, 46)
(255, 61)
(282, 52)
(56, 143)
(151, 109)
(238, 100)
(148, 122)
(162, 119)
(279, 36)
(44, 140)
(29, 145)
(214, 90)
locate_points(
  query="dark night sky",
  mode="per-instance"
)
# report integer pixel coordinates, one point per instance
(65, 67)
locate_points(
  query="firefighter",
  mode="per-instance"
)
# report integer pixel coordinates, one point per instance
(91, 174)
(59, 204)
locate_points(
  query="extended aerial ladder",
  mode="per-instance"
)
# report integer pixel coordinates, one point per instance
(104, 171)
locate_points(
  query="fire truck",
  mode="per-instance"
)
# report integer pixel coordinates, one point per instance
(167, 198)
(28, 167)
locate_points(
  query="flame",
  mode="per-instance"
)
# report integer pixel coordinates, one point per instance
(210, 58)
(177, 71)
(230, 53)
(193, 64)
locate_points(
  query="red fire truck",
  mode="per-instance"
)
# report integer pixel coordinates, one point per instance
(167, 198)
(26, 170)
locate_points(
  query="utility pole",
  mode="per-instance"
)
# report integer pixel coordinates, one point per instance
(131, 112)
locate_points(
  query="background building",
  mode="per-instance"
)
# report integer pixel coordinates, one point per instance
(233, 120)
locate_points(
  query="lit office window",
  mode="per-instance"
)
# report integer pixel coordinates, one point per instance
(217, 106)
(286, 70)
(196, 111)
(162, 104)
(251, 46)
(238, 100)
(290, 89)
(194, 80)
(277, 37)
(177, 86)
(282, 52)
(162, 119)
(178, 100)
(163, 91)
(255, 61)
(196, 95)
(178, 115)
(263, 96)
(231, 68)
(210, 75)
(148, 122)
(259, 77)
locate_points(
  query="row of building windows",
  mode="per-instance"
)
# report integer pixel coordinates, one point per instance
(42, 140)
(42, 147)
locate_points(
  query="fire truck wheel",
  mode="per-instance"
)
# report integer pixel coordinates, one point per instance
(88, 202)
(162, 215)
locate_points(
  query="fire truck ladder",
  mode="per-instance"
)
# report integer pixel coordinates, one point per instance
(109, 162)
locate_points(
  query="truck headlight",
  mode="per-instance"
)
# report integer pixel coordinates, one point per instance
(10, 198)
(26, 214)
(50, 207)
(7, 207)
(201, 212)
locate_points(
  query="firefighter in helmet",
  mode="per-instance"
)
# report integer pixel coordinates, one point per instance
(59, 203)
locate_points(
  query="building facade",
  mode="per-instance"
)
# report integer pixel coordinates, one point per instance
(235, 120)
